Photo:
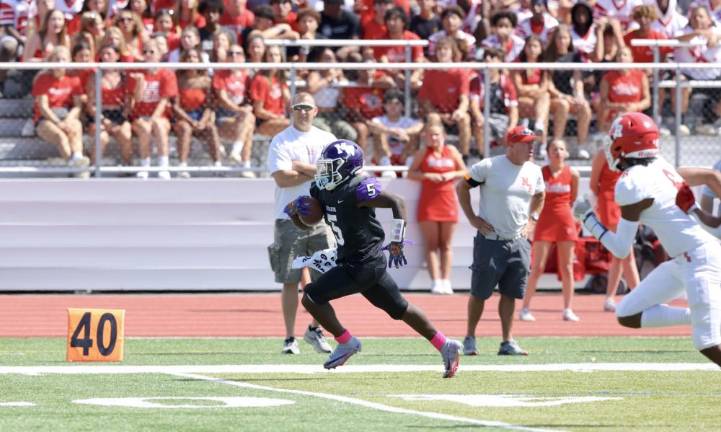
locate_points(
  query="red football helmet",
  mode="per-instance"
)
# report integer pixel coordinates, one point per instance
(633, 136)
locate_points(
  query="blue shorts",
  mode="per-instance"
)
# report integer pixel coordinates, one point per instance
(197, 114)
(505, 263)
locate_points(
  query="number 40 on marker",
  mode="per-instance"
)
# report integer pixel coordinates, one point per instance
(95, 335)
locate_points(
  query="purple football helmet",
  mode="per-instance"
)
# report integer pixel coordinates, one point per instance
(339, 161)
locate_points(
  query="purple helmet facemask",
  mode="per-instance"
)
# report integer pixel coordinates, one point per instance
(339, 161)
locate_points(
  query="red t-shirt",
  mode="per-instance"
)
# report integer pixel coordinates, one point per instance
(397, 54)
(157, 5)
(158, 84)
(367, 100)
(443, 88)
(643, 54)
(192, 99)
(85, 75)
(60, 91)
(373, 30)
(235, 85)
(625, 87)
(116, 96)
(237, 22)
(270, 91)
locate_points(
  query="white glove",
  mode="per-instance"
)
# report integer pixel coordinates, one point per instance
(322, 261)
(593, 225)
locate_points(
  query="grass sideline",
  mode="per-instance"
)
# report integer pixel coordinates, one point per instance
(515, 400)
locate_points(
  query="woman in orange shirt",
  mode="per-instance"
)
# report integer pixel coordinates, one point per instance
(603, 184)
(193, 113)
(270, 95)
(437, 166)
(555, 225)
(622, 90)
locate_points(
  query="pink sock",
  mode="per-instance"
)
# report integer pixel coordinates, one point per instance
(344, 337)
(438, 340)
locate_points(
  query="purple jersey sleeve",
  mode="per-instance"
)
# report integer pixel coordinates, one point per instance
(368, 190)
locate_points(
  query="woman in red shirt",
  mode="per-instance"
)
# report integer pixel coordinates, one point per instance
(193, 113)
(603, 185)
(152, 92)
(556, 224)
(53, 33)
(437, 167)
(113, 118)
(270, 95)
(234, 115)
(57, 109)
(131, 26)
(622, 90)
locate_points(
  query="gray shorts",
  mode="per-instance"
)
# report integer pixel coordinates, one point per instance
(505, 263)
(291, 242)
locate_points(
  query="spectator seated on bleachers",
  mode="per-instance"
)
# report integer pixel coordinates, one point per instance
(670, 21)
(143, 10)
(540, 23)
(308, 23)
(57, 109)
(396, 22)
(193, 111)
(53, 33)
(567, 88)
(264, 24)
(211, 10)
(622, 91)
(452, 26)
(426, 21)
(645, 16)
(114, 120)
(338, 23)
(324, 85)
(114, 37)
(503, 107)
(165, 25)
(701, 29)
(270, 95)
(133, 31)
(362, 100)
(395, 136)
(445, 92)
(502, 36)
(189, 39)
(236, 16)
(234, 114)
(152, 93)
(583, 32)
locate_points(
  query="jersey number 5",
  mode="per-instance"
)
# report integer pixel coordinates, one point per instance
(332, 218)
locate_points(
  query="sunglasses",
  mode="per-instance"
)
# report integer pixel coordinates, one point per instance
(148, 51)
(237, 52)
(304, 108)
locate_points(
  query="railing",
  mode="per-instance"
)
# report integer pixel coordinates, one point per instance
(99, 68)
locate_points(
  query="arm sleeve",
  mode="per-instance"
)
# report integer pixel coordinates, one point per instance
(619, 243)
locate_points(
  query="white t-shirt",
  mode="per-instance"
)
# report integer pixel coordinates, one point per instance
(677, 231)
(700, 54)
(524, 29)
(396, 147)
(294, 145)
(506, 192)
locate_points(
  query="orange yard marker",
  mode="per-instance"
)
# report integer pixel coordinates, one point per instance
(95, 335)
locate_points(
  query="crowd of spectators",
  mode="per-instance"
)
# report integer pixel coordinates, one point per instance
(229, 108)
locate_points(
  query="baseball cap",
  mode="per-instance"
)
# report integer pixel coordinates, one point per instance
(520, 134)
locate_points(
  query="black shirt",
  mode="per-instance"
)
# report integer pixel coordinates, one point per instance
(346, 26)
(358, 233)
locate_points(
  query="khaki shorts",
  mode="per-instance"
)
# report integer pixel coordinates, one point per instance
(290, 242)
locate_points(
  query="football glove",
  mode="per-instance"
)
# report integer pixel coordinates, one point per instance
(396, 256)
(685, 199)
(300, 206)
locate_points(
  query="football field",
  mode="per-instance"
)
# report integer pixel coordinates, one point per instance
(394, 384)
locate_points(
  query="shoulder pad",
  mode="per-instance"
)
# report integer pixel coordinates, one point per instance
(368, 189)
(629, 190)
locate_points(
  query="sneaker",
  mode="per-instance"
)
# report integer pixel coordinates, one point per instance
(437, 287)
(526, 315)
(451, 353)
(290, 346)
(664, 131)
(583, 154)
(568, 315)
(511, 348)
(342, 353)
(683, 130)
(143, 175)
(705, 129)
(447, 287)
(182, 174)
(248, 173)
(469, 346)
(314, 336)
(609, 305)
(164, 175)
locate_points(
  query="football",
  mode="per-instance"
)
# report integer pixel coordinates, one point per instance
(314, 214)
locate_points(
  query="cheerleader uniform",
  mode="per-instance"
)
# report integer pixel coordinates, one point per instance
(556, 222)
(438, 202)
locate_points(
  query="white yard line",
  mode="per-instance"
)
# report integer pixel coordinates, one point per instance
(78, 369)
(366, 404)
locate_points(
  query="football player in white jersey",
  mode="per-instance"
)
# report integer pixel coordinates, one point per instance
(651, 192)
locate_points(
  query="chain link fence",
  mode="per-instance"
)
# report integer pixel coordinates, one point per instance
(212, 125)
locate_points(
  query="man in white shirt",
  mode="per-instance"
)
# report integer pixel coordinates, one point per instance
(512, 193)
(292, 158)
(651, 192)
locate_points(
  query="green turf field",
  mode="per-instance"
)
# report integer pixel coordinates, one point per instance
(392, 385)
